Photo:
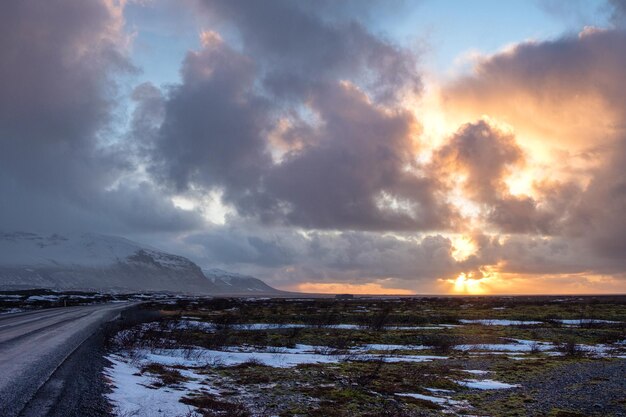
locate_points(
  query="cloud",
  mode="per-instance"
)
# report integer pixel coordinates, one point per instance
(566, 93)
(312, 45)
(347, 146)
(354, 174)
(61, 165)
(288, 257)
(297, 129)
(599, 216)
(213, 123)
(306, 131)
(480, 158)
(618, 15)
(59, 60)
(566, 88)
(486, 156)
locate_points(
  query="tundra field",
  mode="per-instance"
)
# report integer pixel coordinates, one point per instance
(464, 356)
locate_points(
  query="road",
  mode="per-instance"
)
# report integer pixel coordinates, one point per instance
(34, 344)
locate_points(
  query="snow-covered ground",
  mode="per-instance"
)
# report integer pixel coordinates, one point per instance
(499, 322)
(485, 384)
(431, 398)
(208, 326)
(270, 356)
(133, 393)
(496, 322)
(511, 346)
(516, 345)
(581, 322)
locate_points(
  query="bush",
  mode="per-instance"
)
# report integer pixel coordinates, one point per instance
(440, 343)
(165, 375)
(378, 321)
(210, 406)
(570, 348)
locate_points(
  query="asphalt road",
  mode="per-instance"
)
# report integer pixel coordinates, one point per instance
(34, 344)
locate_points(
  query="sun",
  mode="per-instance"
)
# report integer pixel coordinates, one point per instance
(465, 284)
(463, 247)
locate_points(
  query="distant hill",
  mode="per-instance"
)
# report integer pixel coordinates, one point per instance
(230, 282)
(109, 263)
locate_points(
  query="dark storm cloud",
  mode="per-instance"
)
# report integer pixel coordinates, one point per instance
(58, 99)
(349, 148)
(288, 256)
(535, 255)
(57, 61)
(600, 215)
(213, 128)
(618, 12)
(360, 157)
(300, 46)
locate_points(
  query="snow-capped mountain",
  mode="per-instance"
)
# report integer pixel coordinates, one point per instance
(97, 262)
(230, 282)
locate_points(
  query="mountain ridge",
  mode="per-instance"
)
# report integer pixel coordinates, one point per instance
(90, 261)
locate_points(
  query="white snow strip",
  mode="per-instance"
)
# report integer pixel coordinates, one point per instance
(586, 321)
(384, 347)
(43, 298)
(485, 384)
(275, 357)
(437, 400)
(438, 390)
(496, 322)
(520, 345)
(208, 326)
(412, 358)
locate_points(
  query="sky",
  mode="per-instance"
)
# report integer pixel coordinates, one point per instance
(362, 146)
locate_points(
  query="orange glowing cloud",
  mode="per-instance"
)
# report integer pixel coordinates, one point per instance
(559, 97)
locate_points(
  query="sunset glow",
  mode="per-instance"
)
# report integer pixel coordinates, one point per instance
(342, 288)
(465, 284)
(463, 247)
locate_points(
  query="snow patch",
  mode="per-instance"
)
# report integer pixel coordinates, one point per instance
(496, 322)
(486, 384)
(132, 396)
(437, 400)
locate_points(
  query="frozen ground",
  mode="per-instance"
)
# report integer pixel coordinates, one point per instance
(133, 393)
(371, 357)
(137, 393)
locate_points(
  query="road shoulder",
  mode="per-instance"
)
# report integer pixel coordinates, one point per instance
(77, 387)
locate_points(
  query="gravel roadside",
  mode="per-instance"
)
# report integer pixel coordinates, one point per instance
(586, 388)
(596, 388)
(77, 387)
